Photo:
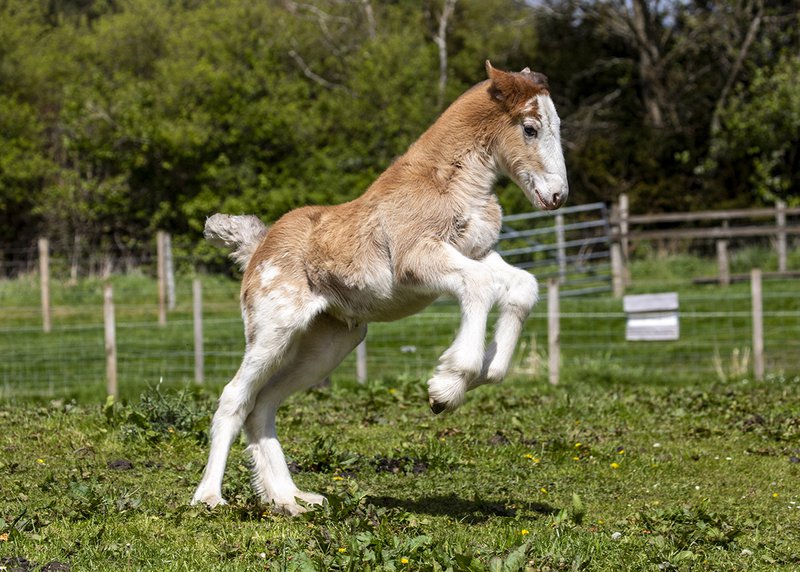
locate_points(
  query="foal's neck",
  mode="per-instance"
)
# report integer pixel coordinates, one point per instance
(459, 146)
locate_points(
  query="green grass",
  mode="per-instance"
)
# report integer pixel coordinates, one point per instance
(585, 476)
(647, 457)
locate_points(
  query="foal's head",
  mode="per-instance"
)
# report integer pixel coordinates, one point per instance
(528, 138)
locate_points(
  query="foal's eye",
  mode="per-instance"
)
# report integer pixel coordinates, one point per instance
(530, 131)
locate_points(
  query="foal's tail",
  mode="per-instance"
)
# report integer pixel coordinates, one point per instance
(242, 233)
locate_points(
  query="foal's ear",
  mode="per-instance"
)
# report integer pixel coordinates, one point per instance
(513, 88)
(538, 79)
(502, 86)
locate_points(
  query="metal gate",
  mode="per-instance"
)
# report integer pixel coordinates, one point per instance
(572, 244)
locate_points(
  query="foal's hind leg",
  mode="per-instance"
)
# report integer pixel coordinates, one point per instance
(277, 320)
(320, 349)
(235, 404)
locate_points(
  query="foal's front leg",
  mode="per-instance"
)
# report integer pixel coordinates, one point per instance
(517, 291)
(471, 282)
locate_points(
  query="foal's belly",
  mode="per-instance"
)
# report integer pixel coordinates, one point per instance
(361, 307)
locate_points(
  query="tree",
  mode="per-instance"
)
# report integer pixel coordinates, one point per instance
(760, 131)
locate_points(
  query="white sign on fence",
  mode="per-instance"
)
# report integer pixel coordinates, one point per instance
(651, 317)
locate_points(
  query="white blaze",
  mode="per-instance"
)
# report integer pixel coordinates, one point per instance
(552, 180)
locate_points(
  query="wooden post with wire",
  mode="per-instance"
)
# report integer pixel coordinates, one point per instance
(553, 331)
(723, 263)
(161, 271)
(169, 271)
(361, 362)
(44, 280)
(618, 270)
(758, 324)
(780, 222)
(561, 251)
(110, 341)
(197, 312)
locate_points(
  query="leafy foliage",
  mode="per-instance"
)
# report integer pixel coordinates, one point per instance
(119, 117)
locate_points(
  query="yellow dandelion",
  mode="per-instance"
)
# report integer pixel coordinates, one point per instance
(543, 490)
(338, 478)
(621, 451)
(40, 461)
(524, 531)
(404, 561)
(529, 456)
(775, 495)
(576, 458)
(615, 465)
(342, 550)
(578, 445)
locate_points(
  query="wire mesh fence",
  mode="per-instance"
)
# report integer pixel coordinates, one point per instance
(155, 339)
(715, 338)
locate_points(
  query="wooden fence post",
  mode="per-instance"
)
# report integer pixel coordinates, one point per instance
(553, 331)
(758, 324)
(110, 341)
(161, 272)
(361, 362)
(44, 280)
(197, 311)
(618, 272)
(561, 251)
(169, 271)
(780, 222)
(723, 263)
(624, 213)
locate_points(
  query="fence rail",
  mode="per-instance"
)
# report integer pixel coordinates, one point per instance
(627, 228)
(564, 338)
(570, 244)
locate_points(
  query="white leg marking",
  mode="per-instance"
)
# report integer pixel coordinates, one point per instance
(277, 321)
(471, 282)
(319, 351)
(517, 292)
(235, 404)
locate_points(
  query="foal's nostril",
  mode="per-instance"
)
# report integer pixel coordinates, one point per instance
(556, 199)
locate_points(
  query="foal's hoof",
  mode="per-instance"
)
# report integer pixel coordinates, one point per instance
(210, 500)
(436, 407)
(308, 501)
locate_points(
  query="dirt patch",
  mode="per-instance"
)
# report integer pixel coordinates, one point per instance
(56, 566)
(20, 564)
(397, 465)
(16, 564)
(498, 439)
(120, 465)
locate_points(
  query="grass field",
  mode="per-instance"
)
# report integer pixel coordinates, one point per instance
(645, 458)
(585, 476)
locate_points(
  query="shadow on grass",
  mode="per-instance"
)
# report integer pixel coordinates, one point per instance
(473, 511)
